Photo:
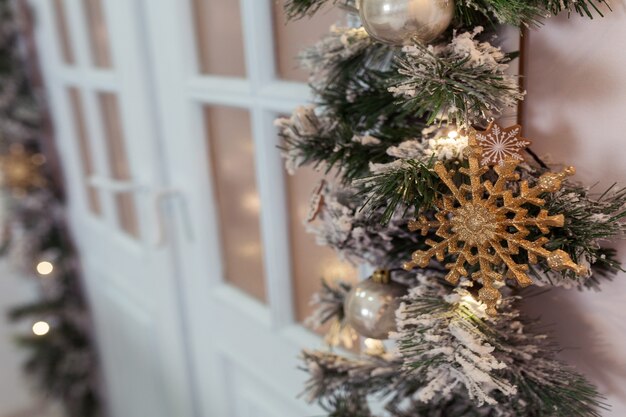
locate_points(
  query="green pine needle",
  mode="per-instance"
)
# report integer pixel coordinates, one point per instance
(444, 83)
(297, 9)
(412, 185)
(511, 12)
(584, 8)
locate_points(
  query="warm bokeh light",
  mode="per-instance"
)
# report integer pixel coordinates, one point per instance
(374, 347)
(336, 270)
(453, 134)
(45, 268)
(41, 328)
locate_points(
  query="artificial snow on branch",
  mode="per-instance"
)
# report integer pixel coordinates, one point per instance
(511, 12)
(392, 125)
(454, 360)
(326, 143)
(333, 50)
(446, 338)
(464, 80)
(357, 236)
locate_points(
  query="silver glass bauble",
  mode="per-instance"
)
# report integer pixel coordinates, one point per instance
(398, 21)
(370, 308)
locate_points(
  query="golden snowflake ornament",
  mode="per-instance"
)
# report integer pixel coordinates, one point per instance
(484, 224)
(499, 144)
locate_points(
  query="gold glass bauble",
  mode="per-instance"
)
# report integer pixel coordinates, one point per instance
(370, 308)
(397, 22)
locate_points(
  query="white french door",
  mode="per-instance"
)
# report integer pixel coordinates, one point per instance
(186, 224)
(244, 350)
(102, 106)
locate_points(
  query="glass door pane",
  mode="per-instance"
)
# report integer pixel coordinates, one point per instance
(80, 126)
(118, 161)
(219, 37)
(291, 37)
(229, 136)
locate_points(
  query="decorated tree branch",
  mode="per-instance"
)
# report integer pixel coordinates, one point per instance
(454, 211)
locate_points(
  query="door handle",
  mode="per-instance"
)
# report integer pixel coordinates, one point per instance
(159, 196)
(176, 196)
(116, 186)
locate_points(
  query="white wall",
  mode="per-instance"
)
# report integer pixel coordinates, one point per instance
(575, 112)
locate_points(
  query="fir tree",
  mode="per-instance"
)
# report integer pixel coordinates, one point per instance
(384, 116)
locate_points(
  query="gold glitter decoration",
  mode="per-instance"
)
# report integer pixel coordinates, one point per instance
(486, 223)
(499, 144)
(20, 170)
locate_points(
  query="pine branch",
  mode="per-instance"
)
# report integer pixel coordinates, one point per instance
(40, 307)
(346, 405)
(589, 221)
(309, 140)
(447, 81)
(511, 12)
(329, 301)
(452, 356)
(413, 184)
(361, 238)
(297, 9)
(350, 78)
(331, 374)
(584, 8)
(523, 13)
(448, 337)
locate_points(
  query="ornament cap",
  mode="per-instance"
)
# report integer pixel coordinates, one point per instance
(381, 276)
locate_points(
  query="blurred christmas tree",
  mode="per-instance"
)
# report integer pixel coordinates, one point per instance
(35, 239)
(454, 212)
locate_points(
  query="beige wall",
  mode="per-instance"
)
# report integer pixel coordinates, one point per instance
(575, 112)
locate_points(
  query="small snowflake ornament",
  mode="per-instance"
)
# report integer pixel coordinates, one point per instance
(499, 144)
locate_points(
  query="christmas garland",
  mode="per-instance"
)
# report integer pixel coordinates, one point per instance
(454, 211)
(35, 239)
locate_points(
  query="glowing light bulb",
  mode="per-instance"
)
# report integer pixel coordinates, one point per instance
(453, 134)
(45, 268)
(371, 343)
(41, 328)
(374, 347)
